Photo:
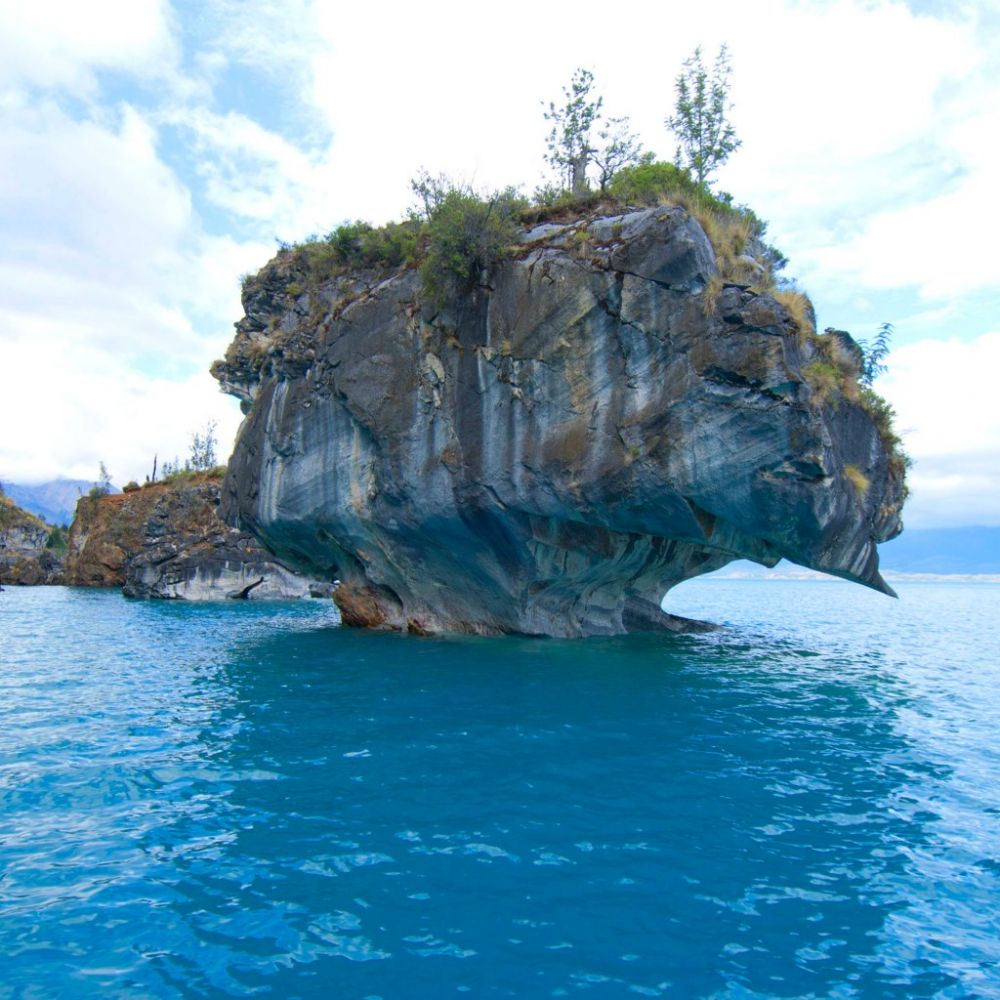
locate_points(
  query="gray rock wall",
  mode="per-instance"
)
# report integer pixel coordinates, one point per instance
(188, 553)
(552, 451)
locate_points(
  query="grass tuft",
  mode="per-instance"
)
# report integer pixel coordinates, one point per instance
(710, 296)
(800, 310)
(858, 480)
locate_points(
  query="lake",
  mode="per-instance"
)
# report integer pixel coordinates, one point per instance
(210, 800)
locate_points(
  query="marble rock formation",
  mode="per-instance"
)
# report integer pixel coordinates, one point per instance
(166, 540)
(597, 420)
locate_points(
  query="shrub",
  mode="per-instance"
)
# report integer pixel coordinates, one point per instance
(395, 244)
(57, 540)
(466, 236)
(710, 294)
(552, 203)
(346, 242)
(735, 231)
(202, 455)
(648, 183)
(883, 416)
(873, 355)
(103, 485)
(825, 379)
(360, 244)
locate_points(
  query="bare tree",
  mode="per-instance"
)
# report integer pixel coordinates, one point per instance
(620, 147)
(572, 147)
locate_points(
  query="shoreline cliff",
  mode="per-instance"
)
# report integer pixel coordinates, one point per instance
(165, 540)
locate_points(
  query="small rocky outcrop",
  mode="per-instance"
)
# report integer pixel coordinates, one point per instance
(25, 558)
(166, 540)
(107, 531)
(599, 419)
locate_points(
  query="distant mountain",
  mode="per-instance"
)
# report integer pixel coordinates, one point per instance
(943, 550)
(54, 501)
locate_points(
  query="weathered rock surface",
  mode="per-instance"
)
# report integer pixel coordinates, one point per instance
(166, 540)
(107, 531)
(24, 556)
(554, 450)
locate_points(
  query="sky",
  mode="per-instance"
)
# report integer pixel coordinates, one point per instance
(152, 152)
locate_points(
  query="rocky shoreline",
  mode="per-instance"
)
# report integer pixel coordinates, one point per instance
(163, 540)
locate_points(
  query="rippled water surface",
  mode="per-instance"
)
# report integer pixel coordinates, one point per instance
(203, 801)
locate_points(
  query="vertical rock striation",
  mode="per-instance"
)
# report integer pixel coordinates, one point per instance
(551, 452)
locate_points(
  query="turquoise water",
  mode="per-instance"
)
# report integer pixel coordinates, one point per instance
(203, 801)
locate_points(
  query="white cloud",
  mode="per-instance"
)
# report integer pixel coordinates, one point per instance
(86, 408)
(60, 44)
(112, 301)
(865, 125)
(876, 169)
(88, 201)
(944, 394)
(250, 171)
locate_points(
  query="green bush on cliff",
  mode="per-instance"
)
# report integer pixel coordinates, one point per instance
(456, 234)
(466, 236)
(455, 238)
(883, 416)
(361, 244)
(103, 485)
(649, 183)
(177, 475)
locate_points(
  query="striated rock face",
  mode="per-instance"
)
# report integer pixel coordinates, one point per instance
(166, 540)
(24, 557)
(554, 450)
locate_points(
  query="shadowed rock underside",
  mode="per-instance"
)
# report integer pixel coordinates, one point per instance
(553, 450)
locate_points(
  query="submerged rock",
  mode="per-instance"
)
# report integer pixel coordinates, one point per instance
(596, 421)
(166, 540)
